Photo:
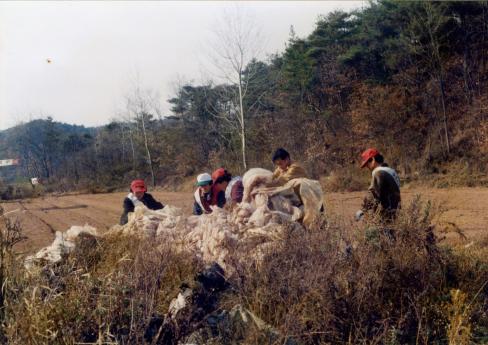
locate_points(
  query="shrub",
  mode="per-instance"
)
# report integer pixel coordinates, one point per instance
(337, 283)
(10, 235)
(346, 180)
(20, 191)
(107, 290)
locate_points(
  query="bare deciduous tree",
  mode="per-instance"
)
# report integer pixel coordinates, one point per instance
(236, 43)
(142, 105)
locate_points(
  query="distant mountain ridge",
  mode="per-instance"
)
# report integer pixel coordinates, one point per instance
(66, 154)
(37, 136)
(69, 128)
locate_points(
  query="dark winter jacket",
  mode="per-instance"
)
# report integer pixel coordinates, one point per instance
(147, 199)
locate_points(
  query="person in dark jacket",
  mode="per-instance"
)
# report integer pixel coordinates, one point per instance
(384, 191)
(138, 196)
(226, 190)
(203, 195)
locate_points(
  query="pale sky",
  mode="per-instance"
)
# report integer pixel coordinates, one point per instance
(97, 48)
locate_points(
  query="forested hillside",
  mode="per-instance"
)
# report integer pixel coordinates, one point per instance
(45, 149)
(407, 77)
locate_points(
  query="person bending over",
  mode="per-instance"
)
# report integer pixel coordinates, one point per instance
(203, 195)
(384, 191)
(226, 190)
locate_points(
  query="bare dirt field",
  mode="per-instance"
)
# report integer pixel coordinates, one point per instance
(40, 218)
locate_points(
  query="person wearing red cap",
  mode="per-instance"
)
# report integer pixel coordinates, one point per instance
(384, 191)
(226, 190)
(136, 197)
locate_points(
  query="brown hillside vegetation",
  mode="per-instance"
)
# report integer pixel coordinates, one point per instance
(406, 77)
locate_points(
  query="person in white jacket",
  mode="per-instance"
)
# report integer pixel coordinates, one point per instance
(203, 195)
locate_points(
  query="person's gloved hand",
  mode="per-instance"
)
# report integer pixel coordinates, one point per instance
(359, 215)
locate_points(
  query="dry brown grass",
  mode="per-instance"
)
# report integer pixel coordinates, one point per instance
(106, 291)
(347, 179)
(335, 284)
(367, 285)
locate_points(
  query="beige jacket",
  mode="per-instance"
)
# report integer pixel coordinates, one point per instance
(281, 177)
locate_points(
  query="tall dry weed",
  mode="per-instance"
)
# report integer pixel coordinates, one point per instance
(348, 284)
(10, 235)
(459, 328)
(106, 291)
(337, 283)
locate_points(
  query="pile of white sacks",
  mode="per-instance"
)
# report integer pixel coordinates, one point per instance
(250, 228)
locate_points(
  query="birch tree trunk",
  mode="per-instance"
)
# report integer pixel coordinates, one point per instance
(236, 44)
(133, 151)
(148, 152)
(443, 103)
(243, 125)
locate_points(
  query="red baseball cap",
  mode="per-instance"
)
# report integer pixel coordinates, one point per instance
(138, 186)
(218, 173)
(367, 155)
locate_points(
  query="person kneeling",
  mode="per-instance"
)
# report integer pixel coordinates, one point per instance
(138, 196)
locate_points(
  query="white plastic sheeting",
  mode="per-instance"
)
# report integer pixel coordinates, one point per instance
(255, 178)
(302, 192)
(300, 198)
(251, 227)
(63, 244)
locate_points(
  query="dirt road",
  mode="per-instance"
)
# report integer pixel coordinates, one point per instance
(42, 217)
